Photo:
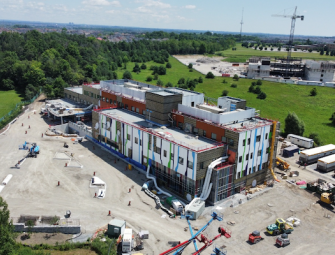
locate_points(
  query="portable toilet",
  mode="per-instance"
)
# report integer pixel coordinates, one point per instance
(116, 228)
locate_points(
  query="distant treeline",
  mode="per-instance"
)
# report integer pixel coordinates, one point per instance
(52, 61)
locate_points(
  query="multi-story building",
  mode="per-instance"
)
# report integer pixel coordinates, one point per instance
(175, 133)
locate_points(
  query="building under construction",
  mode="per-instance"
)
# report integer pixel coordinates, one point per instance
(319, 71)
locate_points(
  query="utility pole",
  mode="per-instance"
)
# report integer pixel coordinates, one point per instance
(241, 25)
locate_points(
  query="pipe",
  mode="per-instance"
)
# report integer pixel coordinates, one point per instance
(272, 148)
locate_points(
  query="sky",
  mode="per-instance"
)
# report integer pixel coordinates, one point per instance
(209, 15)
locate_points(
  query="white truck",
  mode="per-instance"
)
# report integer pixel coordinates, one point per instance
(127, 240)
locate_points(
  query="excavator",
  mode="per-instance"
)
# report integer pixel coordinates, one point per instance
(282, 164)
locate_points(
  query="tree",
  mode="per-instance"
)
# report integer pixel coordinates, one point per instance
(259, 82)
(257, 90)
(161, 70)
(190, 66)
(156, 77)
(316, 138)
(224, 81)
(159, 82)
(143, 66)
(262, 95)
(200, 80)
(127, 75)
(125, 61)
(210, 75)
(136, 68)
(332, 118)
(293, 125)
(236, 78)
(6, 229)
(322, 52)
(169, 84)
(181, 81)
(202, 49)
(310, 50)
(271, 49)
(251, 89)
(168, 65)
(7, 84)
(233, 85)
(149, 78)
(225, 93)
(313, 92)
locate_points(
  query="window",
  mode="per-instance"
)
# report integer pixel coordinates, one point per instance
(204, 132)
(267, 150)
(240, 159)
(247, 157)
(140, 142)
(171, 156)
(165, 153)
(136, 140)
(107, 100)
(137, 110)
(249, 169)
(321, 79)
(220, 106)
(180, 125)
(259, 152)
(190, 164)
(224, 139)
(133, 108)
(91, 94)
(201, 165)
(195, 131)
(158, 150)
(266, 136)
(243, 142)
(321, 75)
(253, 169)
(248, 141)
(231, 142)
(214, 136)
(181, 161)
(128, 137)
(251, 155)
(263, 165)
(258, 138)
(192, 104)
(103, 99)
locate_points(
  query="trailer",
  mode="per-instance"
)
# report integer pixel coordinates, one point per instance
(326, 164)
(127, 240)
(312, 155)
(300, 141)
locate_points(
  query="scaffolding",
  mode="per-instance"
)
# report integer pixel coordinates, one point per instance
(293, 68)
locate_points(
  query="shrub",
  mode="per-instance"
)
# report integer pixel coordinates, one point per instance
(136, 68)
(181, 81)
(224, 81)
(251, 89)
(191, 70)
(200, 80)
(168, 65)
(190, 66)
(159, 82)
(210, 75)
(253, 83)
(127, 75)
(143, 66)
(259, 82)
(149, 78)
(156, 77)
(161, 70)
(332, 118)
(262, 95)
(257, 90)
(233, 85)
(169, 84)
(225, 93)
(235, 77)
(313, 92)
(316, 138)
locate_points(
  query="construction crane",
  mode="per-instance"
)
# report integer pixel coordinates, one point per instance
(290, 42)
(241, 26)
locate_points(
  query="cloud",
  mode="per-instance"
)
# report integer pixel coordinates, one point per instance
(181, 18)
(190, 7)
(112, 11)
(153, 3)
(101, 3)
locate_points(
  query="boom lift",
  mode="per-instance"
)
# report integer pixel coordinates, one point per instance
(282, 164)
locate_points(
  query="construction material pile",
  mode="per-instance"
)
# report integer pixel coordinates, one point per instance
(256, 189)
(207, 60)
(320, 186)
(293, 221)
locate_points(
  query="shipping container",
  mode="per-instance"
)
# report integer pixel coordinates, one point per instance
(326, 164)
(225, 75)
(301, 141)
(289, 151)
(312, 155)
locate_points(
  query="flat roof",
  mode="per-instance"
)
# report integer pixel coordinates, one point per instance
(184, 91)
(248, 124)
(318, 150)
(328, 159)
(66, 103)
(78, 90)
(301, 137)
(72, 107)
(163, 93)
(174, 135)
(117, 223)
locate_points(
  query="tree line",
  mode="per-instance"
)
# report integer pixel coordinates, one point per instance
(52, 61)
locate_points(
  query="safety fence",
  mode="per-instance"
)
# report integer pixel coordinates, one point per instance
(16, 111)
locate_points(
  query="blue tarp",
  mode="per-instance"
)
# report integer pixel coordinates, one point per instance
(289, 151)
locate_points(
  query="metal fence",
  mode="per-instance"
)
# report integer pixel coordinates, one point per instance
(20, 104)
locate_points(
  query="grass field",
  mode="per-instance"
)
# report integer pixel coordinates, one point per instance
(8, 100)
(281, 98)
(242, 54)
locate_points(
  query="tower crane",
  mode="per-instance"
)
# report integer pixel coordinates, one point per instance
(290, 42)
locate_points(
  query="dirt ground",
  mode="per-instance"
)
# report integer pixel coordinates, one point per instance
(38, 238)
(33, 190)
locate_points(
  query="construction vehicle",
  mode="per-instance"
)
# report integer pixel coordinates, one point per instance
(280, 227)
(282, 164)
(282, 240)
(255, 237)
(328, 198)
(34, 150)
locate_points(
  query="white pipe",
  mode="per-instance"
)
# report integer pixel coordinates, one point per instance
(154, 179)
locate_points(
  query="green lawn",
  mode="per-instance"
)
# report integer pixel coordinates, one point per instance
(8, 100)
(242, 54)
(281, 98)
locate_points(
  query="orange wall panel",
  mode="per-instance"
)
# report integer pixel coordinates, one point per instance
(220, 132)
